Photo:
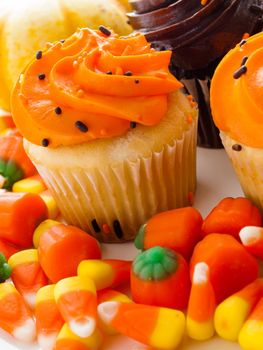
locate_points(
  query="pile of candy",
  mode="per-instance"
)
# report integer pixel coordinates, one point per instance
(193, 275)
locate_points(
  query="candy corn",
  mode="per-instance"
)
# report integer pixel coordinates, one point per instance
(252, 239)
(20, 213)
(110, 295)
(230, 216)
(67, 340)
(62, 247)
(77, 302)
(105, 273)
(27, 274)
(178, 229)
(251, 334)
(201, 306)
(48, 319)
(41, 228)
(51, 204)
(231, 266)
(158, 327)
(15, 317)
(6, 120)
(33, 184)
(231, 314)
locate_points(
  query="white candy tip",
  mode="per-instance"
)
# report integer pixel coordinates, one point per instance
(250, 234)
(30, 299)
(83, 326)
(26, 332)
(201, 273)
(108, 310)
(47, 341)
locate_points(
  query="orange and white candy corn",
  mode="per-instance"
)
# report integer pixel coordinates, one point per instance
(48, 318)
(105, 273)
(110, 295)
(15, 316)
(67, 340)
(201, 306)
(251, 334)
(42, 228)
(27, 274)
(252, 239)
(232, 313)
(159, 327)
(77, 302)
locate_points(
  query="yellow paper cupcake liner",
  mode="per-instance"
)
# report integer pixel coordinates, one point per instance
(248, 165)
(112, 203)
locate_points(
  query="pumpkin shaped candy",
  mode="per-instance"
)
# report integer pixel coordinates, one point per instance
(26, 27)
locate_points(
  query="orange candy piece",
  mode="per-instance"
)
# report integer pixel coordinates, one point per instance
(61, 249)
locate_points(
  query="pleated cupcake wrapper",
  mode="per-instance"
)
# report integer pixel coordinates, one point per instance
(208, 134)
(113, 202)
(248, 165)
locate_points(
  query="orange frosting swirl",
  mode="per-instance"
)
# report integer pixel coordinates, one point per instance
(93, 85)
(237, 102)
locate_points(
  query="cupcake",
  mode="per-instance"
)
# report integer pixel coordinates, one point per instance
(109, 131)
(237, 108)
(199, 33)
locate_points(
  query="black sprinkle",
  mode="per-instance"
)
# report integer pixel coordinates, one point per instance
(45, 142)
(117, 228)
(128, 22)
(58, 110)
(39, 55)
(95, 226)
(81, 126)
(237, 147)
(105, 30)
(137, 81)
(238, 73)
(244, 61)
(109, 72)
(62, 41)
(133, 125)
(41, 76)
(242, 42)
(128, 74)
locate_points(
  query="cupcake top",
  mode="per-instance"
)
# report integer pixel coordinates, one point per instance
(92, 85)
(237, 92)
(198, 31)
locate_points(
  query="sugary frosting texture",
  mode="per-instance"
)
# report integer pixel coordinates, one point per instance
(237, 92)
(93, 85)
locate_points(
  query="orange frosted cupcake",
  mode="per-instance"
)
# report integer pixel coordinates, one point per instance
(237, 107)
(109, 131)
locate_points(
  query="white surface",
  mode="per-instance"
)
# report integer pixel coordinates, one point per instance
(216, 180)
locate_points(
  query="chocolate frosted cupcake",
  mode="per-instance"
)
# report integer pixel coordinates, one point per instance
(199, 33)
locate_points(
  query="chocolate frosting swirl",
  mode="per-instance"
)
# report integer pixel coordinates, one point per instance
(197, 34)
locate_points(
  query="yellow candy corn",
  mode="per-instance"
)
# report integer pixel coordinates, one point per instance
(161, 328)
(33, 184)
(48, 319)
(232, 313)
(251, 334)
(77, 302)
(27, 274)
(202, 304)
(41, 228)
(67, 340)
(15, 317)
(110, 295)
(51, 204)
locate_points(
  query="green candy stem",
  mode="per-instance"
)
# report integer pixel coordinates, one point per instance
(155, 264)
(139, 239)
(11, 172)
(5, 269)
